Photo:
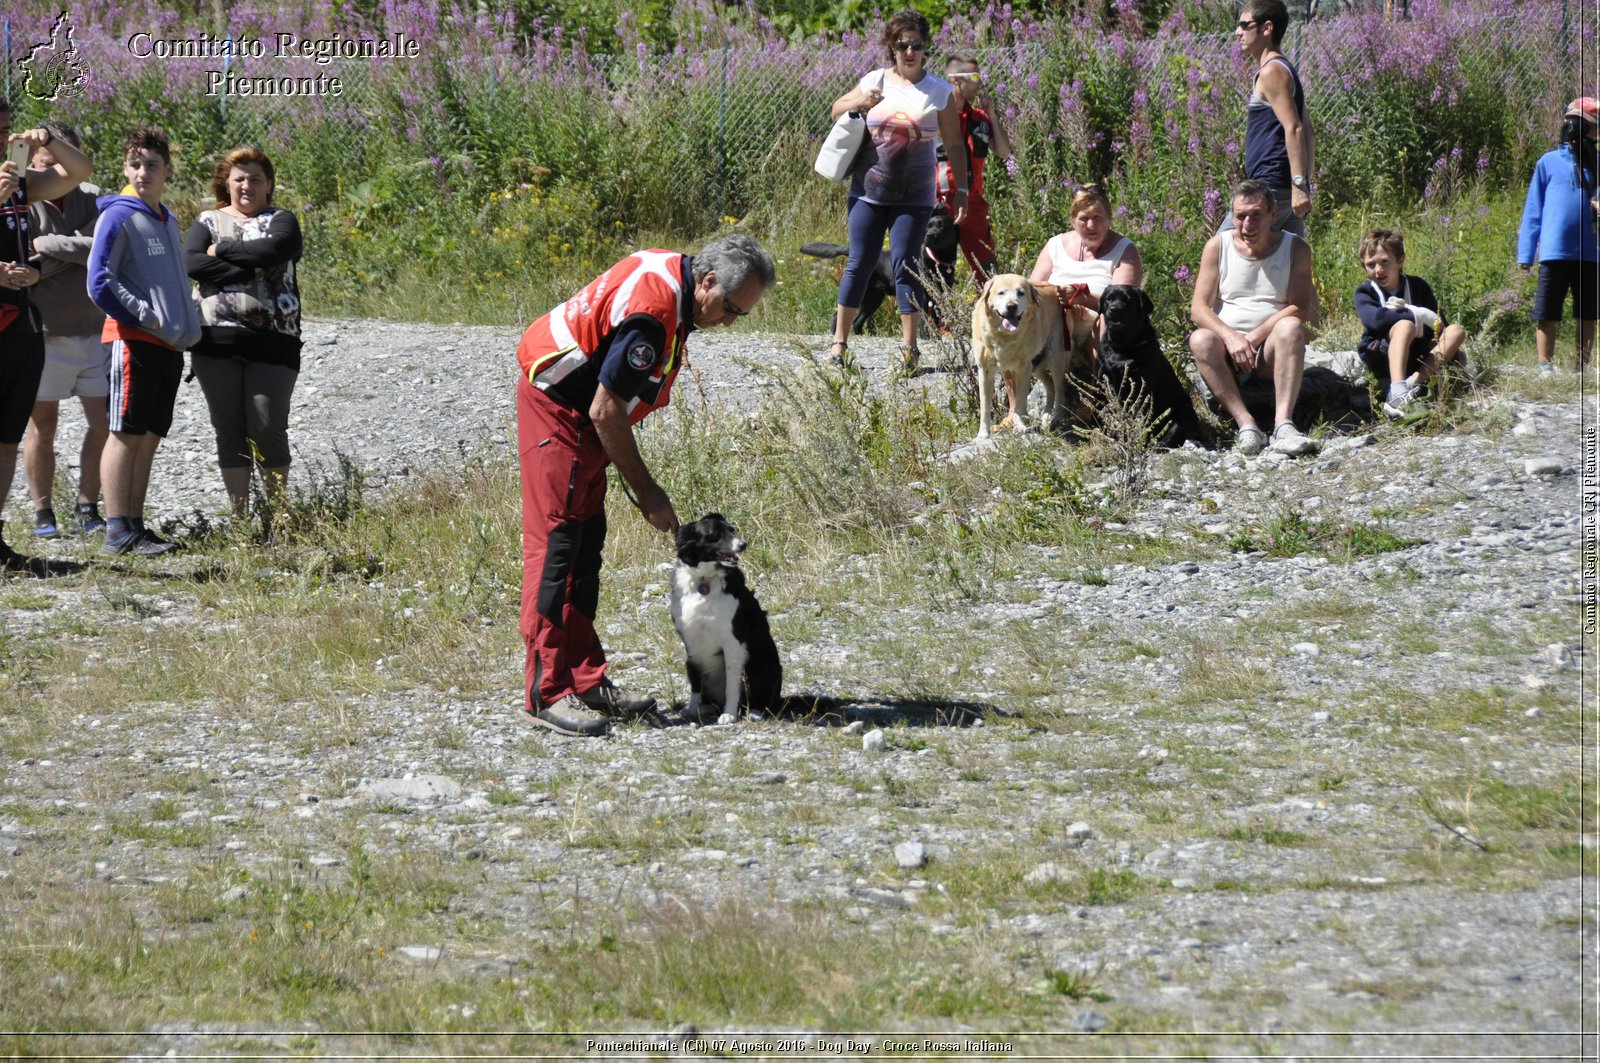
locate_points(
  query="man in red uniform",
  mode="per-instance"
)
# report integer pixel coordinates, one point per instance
(591, 369)
(985, 136)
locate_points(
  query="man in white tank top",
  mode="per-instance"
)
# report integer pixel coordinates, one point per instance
(1250, 305)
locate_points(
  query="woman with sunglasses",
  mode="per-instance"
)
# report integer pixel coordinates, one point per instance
(908, 112)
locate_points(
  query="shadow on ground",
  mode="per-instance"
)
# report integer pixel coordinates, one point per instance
(44, 567)
(820, 710)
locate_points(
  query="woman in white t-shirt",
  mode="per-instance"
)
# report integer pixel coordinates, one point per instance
(908, 112)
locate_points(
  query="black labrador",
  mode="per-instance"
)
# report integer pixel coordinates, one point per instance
(1131, 362)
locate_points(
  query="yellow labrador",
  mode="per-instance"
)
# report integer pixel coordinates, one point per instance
(1018, 334)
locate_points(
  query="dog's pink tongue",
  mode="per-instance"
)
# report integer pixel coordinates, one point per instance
(1009, 326)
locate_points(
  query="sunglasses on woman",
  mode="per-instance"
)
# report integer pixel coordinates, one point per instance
(910, 46)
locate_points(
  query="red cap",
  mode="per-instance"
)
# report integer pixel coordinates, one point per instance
(1585, 107)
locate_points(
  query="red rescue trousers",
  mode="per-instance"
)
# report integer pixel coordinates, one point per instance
(563, 531)
(977, 240)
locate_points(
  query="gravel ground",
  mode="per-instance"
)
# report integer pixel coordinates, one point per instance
(1238, 937)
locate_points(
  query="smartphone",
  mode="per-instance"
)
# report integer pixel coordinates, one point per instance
(18, 152)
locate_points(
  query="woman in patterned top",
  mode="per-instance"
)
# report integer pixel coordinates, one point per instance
(908, 111)
(242, 257)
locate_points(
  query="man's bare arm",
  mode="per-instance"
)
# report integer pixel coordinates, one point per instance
(610, 416)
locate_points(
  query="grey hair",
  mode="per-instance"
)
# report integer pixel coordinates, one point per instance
(1252, 189)
(734, 258)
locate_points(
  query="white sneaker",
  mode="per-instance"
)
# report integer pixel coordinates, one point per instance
(1287, 439)
(1401, 395)
(1250, 441)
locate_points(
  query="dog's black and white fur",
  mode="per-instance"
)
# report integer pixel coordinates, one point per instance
(732, 660)
(1131, 361)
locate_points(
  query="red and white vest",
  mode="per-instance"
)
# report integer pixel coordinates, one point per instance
(578, 332)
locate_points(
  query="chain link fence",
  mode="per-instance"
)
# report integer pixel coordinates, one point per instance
(716, 125)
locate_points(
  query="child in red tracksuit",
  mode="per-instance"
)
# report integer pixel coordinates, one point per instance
(985, 136)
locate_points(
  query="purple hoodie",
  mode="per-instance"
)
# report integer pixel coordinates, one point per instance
(137, 274)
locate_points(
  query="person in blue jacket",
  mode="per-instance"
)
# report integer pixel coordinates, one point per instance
(1558, 231)
(137, 275)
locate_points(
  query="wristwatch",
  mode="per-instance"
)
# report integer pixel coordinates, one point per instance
(1300, 180)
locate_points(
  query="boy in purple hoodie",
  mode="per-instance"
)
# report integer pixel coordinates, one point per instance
(137, 276)
(21, 340)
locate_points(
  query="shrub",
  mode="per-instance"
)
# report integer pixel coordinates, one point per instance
(683, 116)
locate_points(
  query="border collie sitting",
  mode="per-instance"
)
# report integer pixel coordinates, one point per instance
(732, 660)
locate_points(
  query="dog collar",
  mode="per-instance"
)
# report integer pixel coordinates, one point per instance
(705, 587)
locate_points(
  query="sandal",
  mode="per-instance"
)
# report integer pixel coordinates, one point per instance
(909, 357)
(838, 351)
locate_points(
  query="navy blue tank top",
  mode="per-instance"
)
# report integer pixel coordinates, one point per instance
(1265, 157)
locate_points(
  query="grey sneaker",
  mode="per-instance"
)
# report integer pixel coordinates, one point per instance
(570, 716)
(1547, 368)
(607, 700)
(1401, 396)
(139, 544)
(1250, 441)
(1287, 439)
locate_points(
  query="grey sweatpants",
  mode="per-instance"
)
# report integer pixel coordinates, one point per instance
(249, 404)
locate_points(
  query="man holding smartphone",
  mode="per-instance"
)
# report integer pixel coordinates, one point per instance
(984, 135)
(21, 331)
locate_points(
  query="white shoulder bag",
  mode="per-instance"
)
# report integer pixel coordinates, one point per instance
(842, 146)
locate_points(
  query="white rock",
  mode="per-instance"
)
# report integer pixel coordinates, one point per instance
(881, 898)
(1533, 713)
(1558, 656)
(419, 788)
(705, 856)
(910, 855)
(1321, 717)
(1306, 649)
(1080, 829)
(1525, 429)
(420, 953)
(1542, 466)
(854, 727)
(1047, 872)
(874, 741)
